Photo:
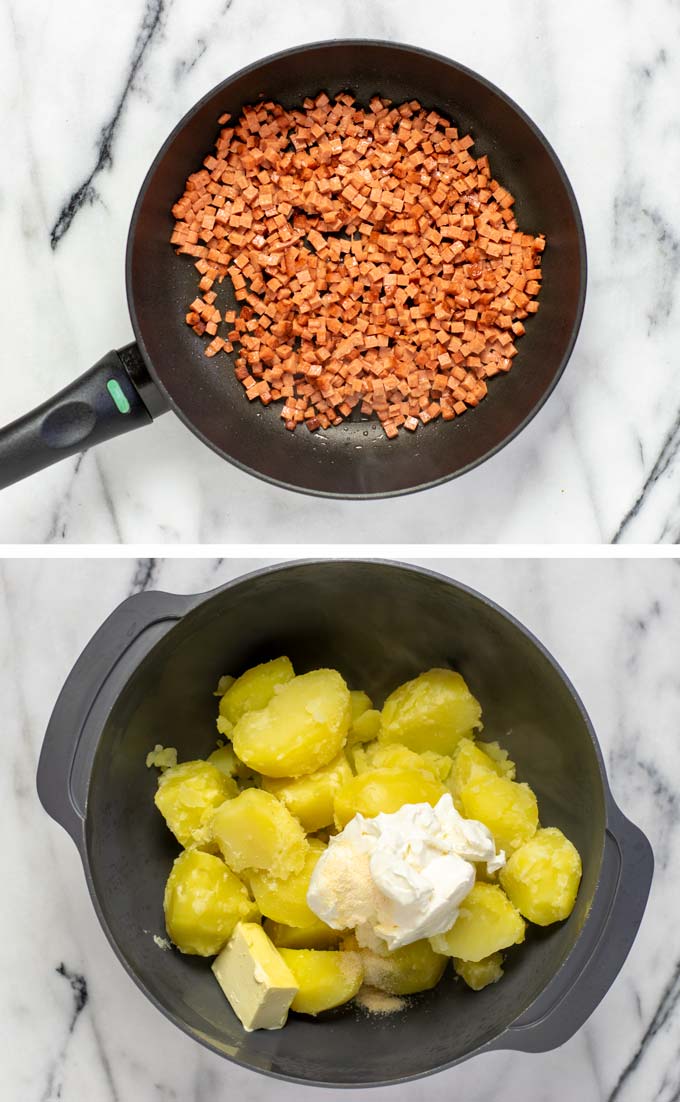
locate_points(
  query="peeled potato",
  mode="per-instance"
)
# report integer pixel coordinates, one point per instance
(310, 798)
(432, 712)
(479, 974)
(203, 902)
(255, 831)
(487, 922)
(359, 702)
(187, 796)
(224, 683)
(316, 935)
(507, 808)
(285, 900)
(505, 766)
(385, 790)
(326, 978)
(254, 689)
(470, 760)
(365, 728)
(393, 755)
(542, 877)
(303, 727)
(226, 761)
(404, 971)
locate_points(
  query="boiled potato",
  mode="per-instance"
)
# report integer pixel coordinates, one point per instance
(303, 727)
(432, 712)
(542, 877)
(187, 796)
(162, 757)
(404, 971)
(479, 974)
(226, 761)
(360, 755)
(507, 808)
(469, 760)
(359, 702)
(310, 798)
(365, 728)
(253, 690)
(255, 831)
(486, 923)
(505, 766)
(203, 902)
(393, 755)
(326, 978)
(385, 790)
(224, 683)
(285, 900)
(317, 935)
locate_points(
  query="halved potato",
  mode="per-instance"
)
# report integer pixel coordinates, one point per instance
(359, 702)
(285, 900)
(504, 763)
(385, 790)
(404, 971)
(393, 755)
(365, 728)
(303, 727)
(203, 902)
(317, 935)
(542, 877)
(487, 922)
(480, 973)
(326, 978)
(432, 712)
(254, 689)
(508, 809)
(187, 796)
(310, 798)
(255, 831)
(469, 760)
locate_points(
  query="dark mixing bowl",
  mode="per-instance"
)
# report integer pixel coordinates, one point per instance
(148, 675)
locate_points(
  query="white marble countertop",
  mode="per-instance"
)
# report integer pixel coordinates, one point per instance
(89, 92)
(75, 1027)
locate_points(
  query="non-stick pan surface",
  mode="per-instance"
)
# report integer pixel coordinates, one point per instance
(353, 459)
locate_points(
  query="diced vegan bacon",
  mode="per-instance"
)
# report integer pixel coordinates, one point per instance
(376, 263)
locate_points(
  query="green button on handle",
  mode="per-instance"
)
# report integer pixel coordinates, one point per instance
(116, 391)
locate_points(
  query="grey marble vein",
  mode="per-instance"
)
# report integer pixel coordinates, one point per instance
(152, 21)
(665, 460)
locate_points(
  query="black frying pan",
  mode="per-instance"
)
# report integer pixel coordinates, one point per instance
(166, 369)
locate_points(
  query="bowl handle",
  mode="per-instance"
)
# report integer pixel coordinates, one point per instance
(75, 724)
(604, 944)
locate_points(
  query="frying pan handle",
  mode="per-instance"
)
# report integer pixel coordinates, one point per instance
(114, 396)
(604, 944)
(87, 697)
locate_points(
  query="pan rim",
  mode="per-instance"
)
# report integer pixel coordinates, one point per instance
(399, 47)
(198, 603)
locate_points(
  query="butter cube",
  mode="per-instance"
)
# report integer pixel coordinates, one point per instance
(255, 979)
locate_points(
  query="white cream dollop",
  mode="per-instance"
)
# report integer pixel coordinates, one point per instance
(403, 876)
